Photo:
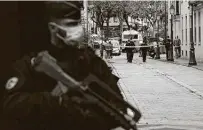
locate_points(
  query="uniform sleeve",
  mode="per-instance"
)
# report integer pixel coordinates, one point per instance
(102, 71)
(21, 99)
(20, 104)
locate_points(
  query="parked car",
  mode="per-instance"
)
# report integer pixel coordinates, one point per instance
(116, 47)
(153, 41)
(123, 46)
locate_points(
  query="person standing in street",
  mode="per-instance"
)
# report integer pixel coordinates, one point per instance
(108, 50)
(144, 49)
(111, 50)
(152, 52)
(179, 47)
(128, 42)
(101, 50)
(175, 47)
(130, 51)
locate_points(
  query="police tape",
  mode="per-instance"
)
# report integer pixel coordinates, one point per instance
(139, 46)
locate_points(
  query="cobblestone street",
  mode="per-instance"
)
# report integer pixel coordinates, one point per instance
(164, 93)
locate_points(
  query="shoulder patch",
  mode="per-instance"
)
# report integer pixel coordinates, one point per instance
(11, 83)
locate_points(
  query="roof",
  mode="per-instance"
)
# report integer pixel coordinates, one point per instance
(132, 32)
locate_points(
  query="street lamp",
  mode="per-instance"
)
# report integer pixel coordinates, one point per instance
(158, 48)
(192, 60)
(172, 12)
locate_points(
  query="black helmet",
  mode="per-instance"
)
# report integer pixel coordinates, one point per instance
(64, 9)
(33, 26)
(33, 19)
(145, 39)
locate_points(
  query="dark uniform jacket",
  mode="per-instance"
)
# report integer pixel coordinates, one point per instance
(130, 45)
(28, 104)
(144, 49)
(167, 43)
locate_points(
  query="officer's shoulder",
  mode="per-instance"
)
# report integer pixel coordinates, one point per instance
(18, 73)
(23, 63)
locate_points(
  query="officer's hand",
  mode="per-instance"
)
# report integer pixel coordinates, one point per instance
(59, 90)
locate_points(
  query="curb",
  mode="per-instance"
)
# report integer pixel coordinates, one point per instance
(186, 86)
(179, 64)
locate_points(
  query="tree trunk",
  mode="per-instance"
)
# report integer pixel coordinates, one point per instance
(153, 32)
(126, 20)
(121, 25)
(102, 29)
(107, 25)
(95, 29)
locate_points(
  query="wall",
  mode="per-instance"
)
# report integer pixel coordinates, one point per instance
(181, 28)
(199, 42)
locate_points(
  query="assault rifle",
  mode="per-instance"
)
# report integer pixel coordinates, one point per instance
(47, 64)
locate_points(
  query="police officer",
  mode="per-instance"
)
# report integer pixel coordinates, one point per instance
(33, 100)
(144, 49)
(129, 50)
(83, 59)
(108, 48)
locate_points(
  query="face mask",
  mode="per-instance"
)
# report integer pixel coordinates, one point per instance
(67, 31)
(74, 34)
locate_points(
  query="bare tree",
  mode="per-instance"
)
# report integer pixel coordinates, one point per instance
(150, 10)
(103, 11)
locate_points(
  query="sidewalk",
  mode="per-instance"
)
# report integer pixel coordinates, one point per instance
(182, 62)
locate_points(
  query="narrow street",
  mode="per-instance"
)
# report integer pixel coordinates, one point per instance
(166, 94)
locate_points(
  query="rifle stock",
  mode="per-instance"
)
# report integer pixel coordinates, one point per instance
(47, 64)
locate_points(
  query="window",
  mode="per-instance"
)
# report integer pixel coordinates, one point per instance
(114, 19)
(186, 30)
(182, 23)
(130, 36)
(177, 8)
(186, 36)
(199, 23)
(195, 18)
(182, 31)
(182, 37)
(195, 28)
(190, 31)
(182, 52)
(191, 35)
(185, 53)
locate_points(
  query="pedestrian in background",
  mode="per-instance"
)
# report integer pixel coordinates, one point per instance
(108, 47)
(177, 47)
(144, 49)
(152, 52)
(111, 49)
(130, 50)
(128, 42)
(102, 50)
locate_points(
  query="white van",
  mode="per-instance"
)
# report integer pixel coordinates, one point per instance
(134, 35)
